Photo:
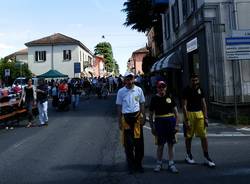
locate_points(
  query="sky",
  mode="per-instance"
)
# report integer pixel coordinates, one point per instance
(22, 21)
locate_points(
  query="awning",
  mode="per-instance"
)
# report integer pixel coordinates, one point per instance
(53, 74)
(157, 65)
(170, 61)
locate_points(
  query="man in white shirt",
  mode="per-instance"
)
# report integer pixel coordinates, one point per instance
(130, 104)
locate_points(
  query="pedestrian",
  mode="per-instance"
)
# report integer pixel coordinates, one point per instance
(195, 119)
(42, 102)
(54, 94)
(75, 91)
(165, 126)
(29, 98)
(130, 104)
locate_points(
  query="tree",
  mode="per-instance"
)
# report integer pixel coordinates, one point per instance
(139, 14)
(17, 69)
(105, 49)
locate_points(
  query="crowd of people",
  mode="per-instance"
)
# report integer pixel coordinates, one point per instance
(130, 100)
(163, 120)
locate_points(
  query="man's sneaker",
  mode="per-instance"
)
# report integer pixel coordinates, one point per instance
(158, 168)
(189, 160)
(173, 169)
(209, 162)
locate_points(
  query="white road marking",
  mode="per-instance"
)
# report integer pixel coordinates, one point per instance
(244, 129)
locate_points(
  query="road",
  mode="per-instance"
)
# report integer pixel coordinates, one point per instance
(82, 146)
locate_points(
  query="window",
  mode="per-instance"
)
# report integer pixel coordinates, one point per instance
(80, 56)
(40, 56)
(175, 15)
(184, 8)
(89, 60)
(192, 6)
(66, 55)
(167, 26)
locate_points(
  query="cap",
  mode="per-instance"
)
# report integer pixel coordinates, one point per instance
(161, 83)
(129, 74)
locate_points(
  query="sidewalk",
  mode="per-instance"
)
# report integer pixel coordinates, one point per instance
(216, 128)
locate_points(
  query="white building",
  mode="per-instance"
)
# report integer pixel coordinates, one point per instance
(58, 52)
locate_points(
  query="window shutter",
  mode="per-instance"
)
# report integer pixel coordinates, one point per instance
(64, 54)
(44, 52)
(36, 56)
(69, 54)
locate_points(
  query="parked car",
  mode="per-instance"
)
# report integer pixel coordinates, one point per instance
(22, 82)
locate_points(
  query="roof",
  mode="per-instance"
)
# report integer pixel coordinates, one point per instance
(53, 74)
(20, 52)
(57, 39)
(141, 50)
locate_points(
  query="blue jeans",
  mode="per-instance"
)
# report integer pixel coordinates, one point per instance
(75, 99)
(43, 112)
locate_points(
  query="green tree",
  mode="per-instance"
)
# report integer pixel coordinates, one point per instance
(139, 14)
(17, 69)
(105, 49)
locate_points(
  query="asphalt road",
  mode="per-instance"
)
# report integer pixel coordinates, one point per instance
(82, 146)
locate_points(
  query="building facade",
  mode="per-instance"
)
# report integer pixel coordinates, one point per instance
(135, 62)
(58, 52)
(196, 32)
(19, 56)
(98, 66)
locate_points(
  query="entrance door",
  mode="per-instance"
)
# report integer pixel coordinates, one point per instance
(194, 62)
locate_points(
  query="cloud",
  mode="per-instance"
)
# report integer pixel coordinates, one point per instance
(2, 34)
(4, 46)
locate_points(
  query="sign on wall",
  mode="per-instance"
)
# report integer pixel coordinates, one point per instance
(77, 67)
(238, 48)
(192, 45)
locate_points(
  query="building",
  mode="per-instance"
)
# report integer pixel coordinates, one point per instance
(200, 36)
(59, 52)
(135, 62)
(98, 66)
(20, 56)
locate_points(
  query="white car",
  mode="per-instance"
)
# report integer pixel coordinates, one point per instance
(22, 82)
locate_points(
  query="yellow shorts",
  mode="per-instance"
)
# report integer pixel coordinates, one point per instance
(197, 125)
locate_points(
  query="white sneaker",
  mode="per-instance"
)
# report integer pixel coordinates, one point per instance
(209, 162)
(189, 160)
(173, 169)
(158, 168)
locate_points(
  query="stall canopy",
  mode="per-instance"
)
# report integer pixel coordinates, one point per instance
(170, 61)
(53, 74)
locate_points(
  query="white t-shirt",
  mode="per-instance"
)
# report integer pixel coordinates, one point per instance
(130, 99)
